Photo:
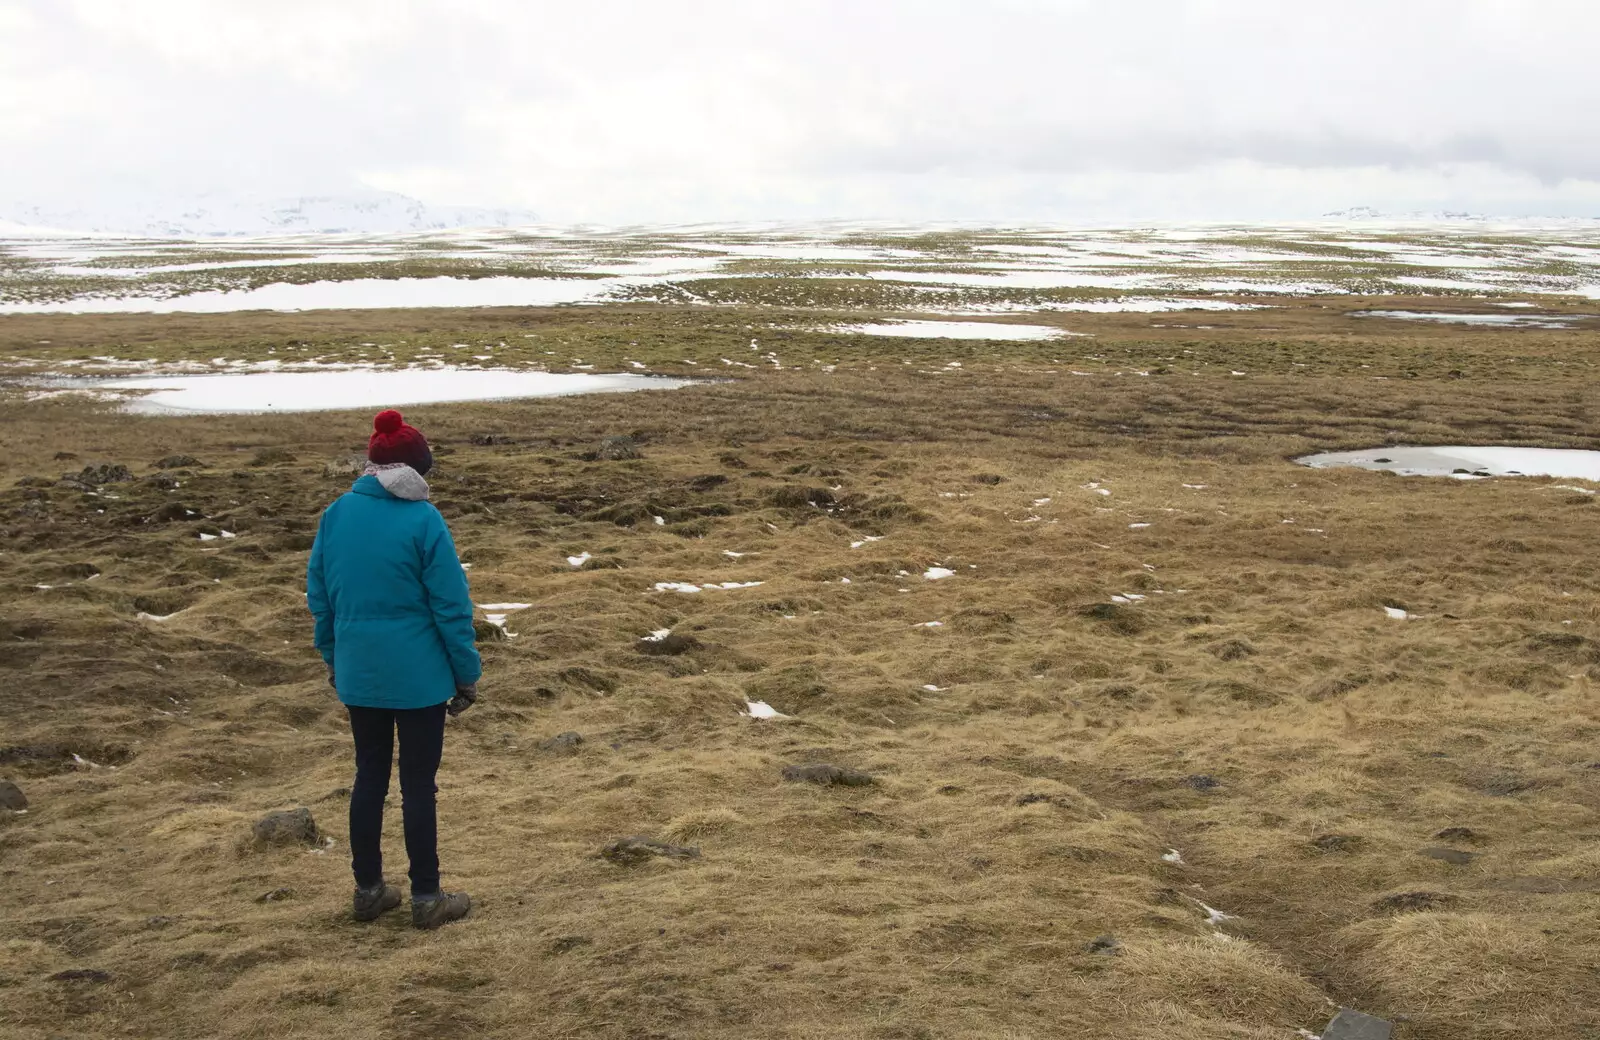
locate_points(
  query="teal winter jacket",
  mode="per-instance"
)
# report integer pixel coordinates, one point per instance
(393, 614)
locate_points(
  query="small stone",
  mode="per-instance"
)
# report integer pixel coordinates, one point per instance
(104, 473)
(618, 449)
(1455, 857)
(1353, 1025)
(486, 632)
(180, 462)
(563, 743)
(1202, 782)
(630, 852)
(277, 895)
(93, 976)
(821, 773)
(1105, 945)
(11, 796)
(65, 456)
(292, 827)
(1033, 798)
(347, 465)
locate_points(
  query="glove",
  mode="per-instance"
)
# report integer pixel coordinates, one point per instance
(466, 697)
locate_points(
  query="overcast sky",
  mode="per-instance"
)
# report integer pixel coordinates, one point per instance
(671, 110)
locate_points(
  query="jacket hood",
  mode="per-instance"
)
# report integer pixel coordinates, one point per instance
(397, 479)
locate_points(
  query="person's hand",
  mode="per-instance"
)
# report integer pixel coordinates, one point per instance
(466, 697)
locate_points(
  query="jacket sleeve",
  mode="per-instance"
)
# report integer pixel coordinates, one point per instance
(317, 599)
(450, 601)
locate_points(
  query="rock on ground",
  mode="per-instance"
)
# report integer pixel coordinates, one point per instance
(562, 743)
(180, 462)
(629, 852)
(617, 449)
(822, 773)
(11, 796)
(105, 473)
(1353, 1025)
(291, 827)
(347, 465)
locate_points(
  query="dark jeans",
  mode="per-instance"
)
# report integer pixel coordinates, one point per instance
(421, 746)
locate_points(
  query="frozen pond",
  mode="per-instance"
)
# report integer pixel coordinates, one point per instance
(1526, 321)
(958, 330)
(1468, 462)
(354, 388)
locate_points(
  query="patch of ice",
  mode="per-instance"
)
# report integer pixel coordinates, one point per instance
(579, 560)
(935, 573)
(1041, 501)
(1398, 614)
(1468, 461)
(1137, 527)
(657, 636)
(660, 521)
(207, 537)
(865, 540)
(1526, 321)
(935, 689)
(504, 607)
(1215, 916)
(157, 617)
(686, 587)
(302, 391)
(761, 710)
(1172, 856)
(927, 624)
(958, 330)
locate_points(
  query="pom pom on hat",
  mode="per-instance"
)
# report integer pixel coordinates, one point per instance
(395, 441)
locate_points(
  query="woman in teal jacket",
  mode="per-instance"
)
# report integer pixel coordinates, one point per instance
(394, 624)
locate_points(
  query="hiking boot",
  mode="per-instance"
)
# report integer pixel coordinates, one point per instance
(371, 903)
(432, 911)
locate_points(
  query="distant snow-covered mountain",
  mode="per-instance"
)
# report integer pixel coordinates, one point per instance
(205, 216)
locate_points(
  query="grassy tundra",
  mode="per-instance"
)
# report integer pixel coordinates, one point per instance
(1162, 683)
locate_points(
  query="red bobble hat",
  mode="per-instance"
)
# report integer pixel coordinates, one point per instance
(394, 441)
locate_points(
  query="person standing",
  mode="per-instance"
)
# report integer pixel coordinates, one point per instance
(394, 625)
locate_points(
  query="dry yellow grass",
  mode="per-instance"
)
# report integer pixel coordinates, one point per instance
(1256, 710)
